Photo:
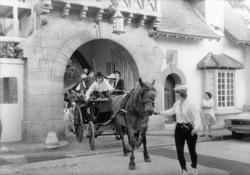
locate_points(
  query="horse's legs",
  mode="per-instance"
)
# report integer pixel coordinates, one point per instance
(144, 142)
(119, 128)
(132, 144)
(125, 148)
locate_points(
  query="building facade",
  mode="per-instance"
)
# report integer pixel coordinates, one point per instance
(169, 41)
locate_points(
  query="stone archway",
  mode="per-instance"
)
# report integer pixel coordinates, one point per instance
(106, 56)
(48, 51)
(177, 74)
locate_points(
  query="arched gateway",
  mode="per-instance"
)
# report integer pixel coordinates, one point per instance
(106, 56)
(48, 51)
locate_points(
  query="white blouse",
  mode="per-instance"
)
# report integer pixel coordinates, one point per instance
(100, 87)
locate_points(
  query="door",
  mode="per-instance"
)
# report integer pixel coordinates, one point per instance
(169, 95)
(11, 99)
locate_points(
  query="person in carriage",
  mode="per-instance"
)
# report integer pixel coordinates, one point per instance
(101, 86)
(118, 83)
(80, 88)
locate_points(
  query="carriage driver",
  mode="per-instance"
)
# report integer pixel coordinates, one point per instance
(99, 85)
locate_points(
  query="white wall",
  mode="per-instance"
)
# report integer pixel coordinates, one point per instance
(247, 73)
(26, 26)
(190, 53)
(12, 114)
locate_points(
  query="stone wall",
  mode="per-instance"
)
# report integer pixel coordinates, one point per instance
(48, 51)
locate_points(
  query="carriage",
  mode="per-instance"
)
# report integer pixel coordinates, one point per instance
(93, 116)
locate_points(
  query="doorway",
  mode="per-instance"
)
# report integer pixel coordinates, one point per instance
(169, 95)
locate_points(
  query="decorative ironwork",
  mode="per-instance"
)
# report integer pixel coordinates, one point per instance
(10, 50)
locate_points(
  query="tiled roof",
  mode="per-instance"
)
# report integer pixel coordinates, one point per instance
(219, 61)
(179, 18)
(235, 27)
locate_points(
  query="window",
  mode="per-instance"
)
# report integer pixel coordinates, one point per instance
(8, 90)
(110, 68)
(171, 56)
(225, 89)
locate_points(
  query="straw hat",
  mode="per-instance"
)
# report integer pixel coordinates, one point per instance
(180, 88)
(111, 76)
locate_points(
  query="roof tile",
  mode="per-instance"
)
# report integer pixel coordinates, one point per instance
(235, 27)
(219, 61)
(180, 18)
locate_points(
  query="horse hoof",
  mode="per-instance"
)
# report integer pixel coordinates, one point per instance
(131, 166)
(147, 160)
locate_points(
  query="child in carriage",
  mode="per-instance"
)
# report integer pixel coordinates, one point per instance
(69, 117)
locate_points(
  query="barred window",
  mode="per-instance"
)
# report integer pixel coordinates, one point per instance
(225, 89)
(8, 90)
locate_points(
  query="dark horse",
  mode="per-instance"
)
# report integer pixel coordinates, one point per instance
(133, 116)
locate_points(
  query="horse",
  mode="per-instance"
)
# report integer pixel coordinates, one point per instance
(133, 116)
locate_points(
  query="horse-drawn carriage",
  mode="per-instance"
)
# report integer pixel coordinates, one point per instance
(91, 116)
(128, 115)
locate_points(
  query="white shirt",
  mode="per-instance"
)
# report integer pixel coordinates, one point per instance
(100, 87)
(78, 88)
(185, 113)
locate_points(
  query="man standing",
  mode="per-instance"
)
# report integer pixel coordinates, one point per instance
(188, 123)
(119, 83)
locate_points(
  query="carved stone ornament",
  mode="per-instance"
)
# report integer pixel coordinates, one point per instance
(46, 7)
(10, 50)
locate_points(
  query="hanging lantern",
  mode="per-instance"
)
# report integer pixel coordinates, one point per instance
(118, 23)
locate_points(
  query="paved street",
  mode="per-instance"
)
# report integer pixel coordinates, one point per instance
(229, 157)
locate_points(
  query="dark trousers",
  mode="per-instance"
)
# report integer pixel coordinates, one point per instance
(181, 136)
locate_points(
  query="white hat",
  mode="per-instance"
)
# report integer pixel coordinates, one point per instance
(180, 88)
(111, 76)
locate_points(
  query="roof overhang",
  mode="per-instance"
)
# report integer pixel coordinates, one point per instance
(236, 40)
(185, 36)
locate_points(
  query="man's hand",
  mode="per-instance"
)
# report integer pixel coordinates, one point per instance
(156, 113)
(194, 131)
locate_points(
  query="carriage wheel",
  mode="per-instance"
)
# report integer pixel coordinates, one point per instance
(91, 133)
(79, 133)
(78, 125)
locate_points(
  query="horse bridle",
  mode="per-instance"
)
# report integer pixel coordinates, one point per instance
(148, 100)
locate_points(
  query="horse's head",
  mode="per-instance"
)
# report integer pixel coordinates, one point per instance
(148, 95)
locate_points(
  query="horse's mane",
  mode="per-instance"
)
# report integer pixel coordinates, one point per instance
(134, 103)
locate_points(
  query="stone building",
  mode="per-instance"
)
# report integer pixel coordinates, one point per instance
(173, 41)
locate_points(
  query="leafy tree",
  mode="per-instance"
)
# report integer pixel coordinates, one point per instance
(72, 72)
